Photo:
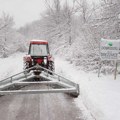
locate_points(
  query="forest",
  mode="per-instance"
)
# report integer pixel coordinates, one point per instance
(74, 30)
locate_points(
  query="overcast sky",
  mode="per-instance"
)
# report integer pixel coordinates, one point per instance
(23, 11)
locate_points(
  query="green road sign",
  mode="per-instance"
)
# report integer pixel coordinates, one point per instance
(109, 49)
(110, 43)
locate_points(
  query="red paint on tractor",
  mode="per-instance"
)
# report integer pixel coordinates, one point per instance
(39, 61)
(38, 42)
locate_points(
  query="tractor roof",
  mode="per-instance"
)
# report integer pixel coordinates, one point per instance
(38, 42)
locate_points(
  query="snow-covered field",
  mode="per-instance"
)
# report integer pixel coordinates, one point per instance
(100, 95)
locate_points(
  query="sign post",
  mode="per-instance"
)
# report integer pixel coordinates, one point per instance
(115, 74)
(109, 50)
(100, 65)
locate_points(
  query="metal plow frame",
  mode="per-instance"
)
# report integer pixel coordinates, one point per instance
(7, 86)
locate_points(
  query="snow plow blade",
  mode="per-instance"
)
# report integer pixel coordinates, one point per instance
(52, 82)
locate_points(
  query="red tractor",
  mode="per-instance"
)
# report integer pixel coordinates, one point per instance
(39, 54)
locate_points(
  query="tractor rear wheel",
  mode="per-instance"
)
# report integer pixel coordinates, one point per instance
(51, 66)
(26, 66)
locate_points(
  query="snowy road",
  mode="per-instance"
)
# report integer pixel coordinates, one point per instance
(39, 107)
(99, 95)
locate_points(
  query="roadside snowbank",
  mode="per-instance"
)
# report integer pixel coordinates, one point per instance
(11, 65)
(100, 95)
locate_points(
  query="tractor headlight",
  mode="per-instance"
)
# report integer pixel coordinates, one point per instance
(45, 60)
(32, 62)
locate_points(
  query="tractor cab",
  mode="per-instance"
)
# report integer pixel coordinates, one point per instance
(39, 54)
(38, 48)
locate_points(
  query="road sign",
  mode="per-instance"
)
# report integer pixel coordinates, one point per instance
(109, 49)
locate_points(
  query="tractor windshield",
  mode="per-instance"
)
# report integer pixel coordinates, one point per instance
(38, 50)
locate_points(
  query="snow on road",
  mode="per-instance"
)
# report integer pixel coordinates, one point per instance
(50, 106)
(100, 95)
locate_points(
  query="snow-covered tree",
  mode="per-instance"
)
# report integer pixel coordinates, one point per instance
(9, 39)
(74, 31)
(6, 22)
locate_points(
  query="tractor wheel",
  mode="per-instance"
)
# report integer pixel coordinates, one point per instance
(26, 66)
(51, 66)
